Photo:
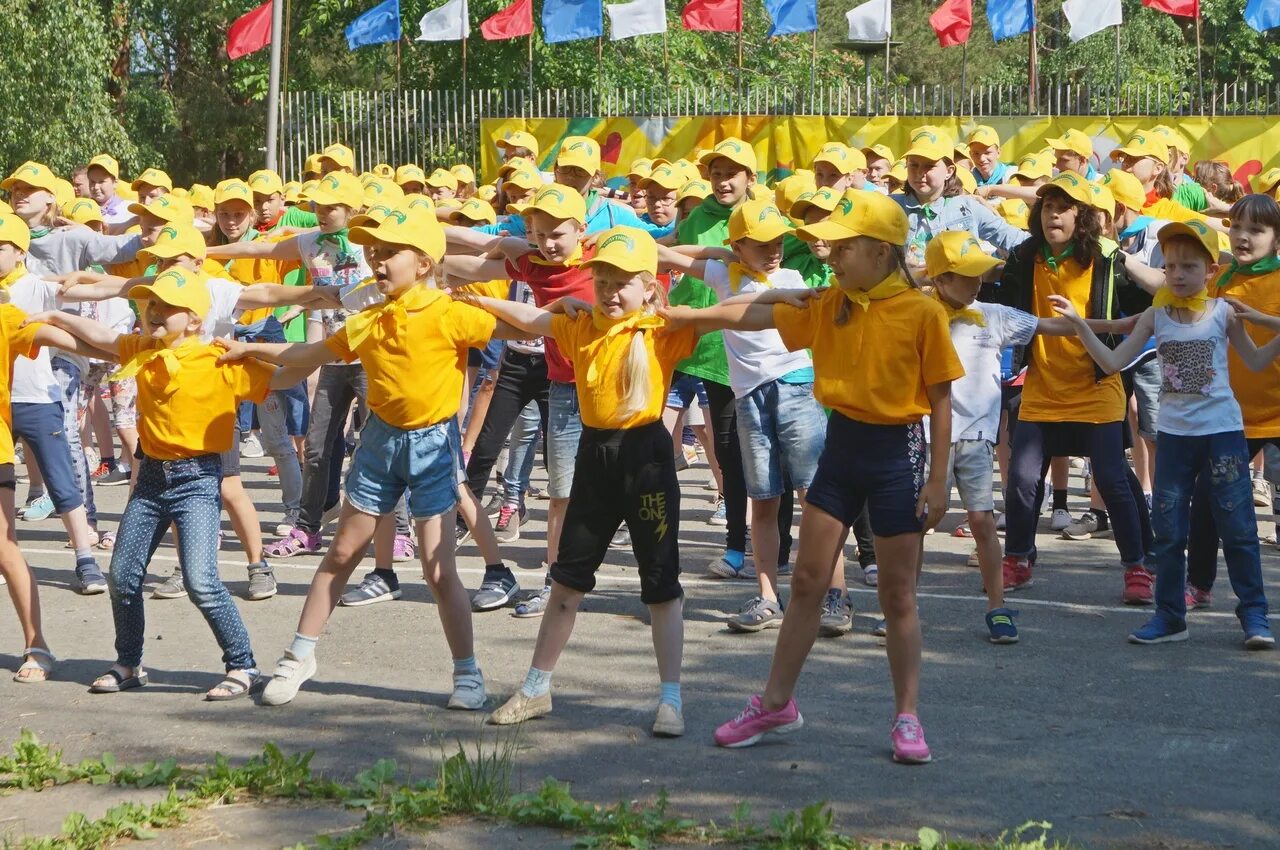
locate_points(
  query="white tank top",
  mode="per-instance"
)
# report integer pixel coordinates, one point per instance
(1195, 387)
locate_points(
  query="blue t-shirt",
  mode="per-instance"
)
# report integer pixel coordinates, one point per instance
(601, 215)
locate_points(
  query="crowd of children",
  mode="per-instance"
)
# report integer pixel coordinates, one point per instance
(858, 340)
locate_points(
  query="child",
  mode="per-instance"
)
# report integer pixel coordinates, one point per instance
(410, 442)
(1201, 432)
(882, 360)
(984, 152)
(186, 404)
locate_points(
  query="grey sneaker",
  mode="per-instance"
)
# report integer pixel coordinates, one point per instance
(534, 606)
(374, 588)
(495, 593)
(1088, 527)
(89, 579)
(170, 588)
(622, 539)
(468, 691)
(288, 678)
(507, 527)
(262, 582)
(758, 614)
(837, 614)
(117, 476)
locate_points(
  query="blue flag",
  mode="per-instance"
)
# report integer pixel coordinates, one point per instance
(376, 26)
(1009, 18)
(791, 16)
(1262, 15)
(571, 20)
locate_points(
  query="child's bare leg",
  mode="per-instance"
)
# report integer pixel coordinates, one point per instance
(899, 560)
(436, 551)
(983, 526)
(355, 530)
(244, 517)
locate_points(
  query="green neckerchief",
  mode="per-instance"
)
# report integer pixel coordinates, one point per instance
(1053, 262)
(1263, 266)
(929, 212)
(339, 238)
(40, 232)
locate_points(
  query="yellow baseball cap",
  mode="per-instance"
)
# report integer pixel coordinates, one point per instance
(931, 143)
(487, 192)
(152, 177)
(384, 170)
(371, 216)
(311, 165)
(823, 199)
(1072, 185)
(557, 201)
(107, 163)
(525, 178)
(339, 154)
(168, 208)
(579, 152)
(1144, 143)
(125, 192)
(475, 209)
(1015, 211)
(63, 192)
(336, 187)
(1266, 181)
(516, 163)
(1172, 138)
(962, 153)
(414, 230)
(759, 221)
(688, 169)
(641, 168)
(1197, 230)
(174, 241)
(181, 192)
(842, 157)
(1103, 199)
(5, 209)
(410, 174)
(1034, 166)
(33, 174)
(733, 149)
(266, 182)
(861, 213)
(699, 189)
(790, 188)
(15, 231)
(520, 139)
(1074, 141)
(667, 177)
(419, 203)
(879, 152)
(957, 252)
(177, 287)
(464, 173)
(292, 192)
(442, 178)
(380, 190)
(201, 196)
(899, 171)
(83, 211)
(984, 135)
(626, 248)
(1126, 188)
(232, 190)
(968, 182)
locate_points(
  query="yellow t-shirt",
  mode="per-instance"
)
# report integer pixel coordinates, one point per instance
(1062, 384)
(874, 368)
(1257, 392)
(15, 341)
(600, 362)
(193, 412)
(250, 270)
(416, 368)
(1170, 210)
(136, 267)
(488, 289)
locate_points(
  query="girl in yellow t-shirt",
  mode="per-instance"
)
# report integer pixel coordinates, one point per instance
(882, 361)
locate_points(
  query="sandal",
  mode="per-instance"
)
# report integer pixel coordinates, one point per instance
(107, 541)
(298, 542)
(233, 685)
(35, 658)
(97, 538)
(120, 682)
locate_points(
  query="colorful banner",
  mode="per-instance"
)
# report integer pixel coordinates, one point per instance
(784, 144)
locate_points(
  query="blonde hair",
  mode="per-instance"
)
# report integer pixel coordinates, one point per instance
(635, 374)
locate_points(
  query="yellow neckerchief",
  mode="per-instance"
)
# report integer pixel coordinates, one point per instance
(887, 288)
(638, 321)
(573, 260)
(737, 271)
(1197, 302)
(13, 277)
(158, 379)
(383, 321)
(970, 314)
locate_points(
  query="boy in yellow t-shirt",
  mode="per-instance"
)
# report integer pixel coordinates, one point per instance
(186, 413)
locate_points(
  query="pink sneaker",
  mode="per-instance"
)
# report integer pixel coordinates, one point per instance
(1197, 598)
(402, 550)
(755, 722)
(908, 741)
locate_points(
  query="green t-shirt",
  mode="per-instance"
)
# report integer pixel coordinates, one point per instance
(1191, 195)
(295, 330)
(707, 224)
(797, 255)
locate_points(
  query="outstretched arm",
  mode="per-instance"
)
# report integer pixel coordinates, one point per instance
(274, 295)
(1255, 357)
(286, 249)
(306, 357)
(97, 335)
(682, 260)
(47, 334)
(473, 269)
(1111, 360)
(727, 315)
(531, 320)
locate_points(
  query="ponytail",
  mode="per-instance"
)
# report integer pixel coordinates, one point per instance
(635, 375)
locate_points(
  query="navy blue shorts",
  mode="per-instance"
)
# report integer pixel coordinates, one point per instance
(880, 467)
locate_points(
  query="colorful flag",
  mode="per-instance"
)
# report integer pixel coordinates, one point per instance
(449, 22)
(1181, 8)
(1262, 15)
(250, 32)
(376, 26)
(791, 16)
(639, 17)
(512, 22)
(1089, 16)
(870, 21)
(713, 15)
(1009, 18)
(952, 22)
(571, 20)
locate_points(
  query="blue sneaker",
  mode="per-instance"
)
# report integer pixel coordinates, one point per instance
(1160, 630)
(1001, 626)
(1257, 631)
(880, 629)
(38, 509)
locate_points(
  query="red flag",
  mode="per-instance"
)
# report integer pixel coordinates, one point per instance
(1182, 8)
(512, 22)
(250, 32)
(713, 15)
(953, 21)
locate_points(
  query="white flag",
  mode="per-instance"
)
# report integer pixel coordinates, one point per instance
(870, 21)
(447, 23)
(639, 17)
(1089, 16)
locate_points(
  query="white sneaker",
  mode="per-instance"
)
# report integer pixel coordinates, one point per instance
(468, 691)
(251, 447)
(1261, 493)
(1061, 519)
(288, 678)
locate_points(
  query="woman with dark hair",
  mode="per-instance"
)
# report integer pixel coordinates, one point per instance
(1069, 407)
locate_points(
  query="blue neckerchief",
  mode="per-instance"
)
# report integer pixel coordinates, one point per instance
(1140, 224)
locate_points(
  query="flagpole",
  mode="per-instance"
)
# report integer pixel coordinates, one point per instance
(1199, 64)
(600, 61)
(964, 68)
(464, 69)
(398, 40)
(273, 85)
(530, 73)
(813, 65)
(1117, 68)
(1033, 72)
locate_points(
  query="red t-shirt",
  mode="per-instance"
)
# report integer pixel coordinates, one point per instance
(549, 282)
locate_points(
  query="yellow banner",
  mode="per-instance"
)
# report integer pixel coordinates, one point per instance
(783, 144)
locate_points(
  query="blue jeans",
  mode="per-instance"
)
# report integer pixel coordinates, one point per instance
(68, 377)
(523, 446)
(187, 494)
(41, 425)
(1224, 460)
(564, 429)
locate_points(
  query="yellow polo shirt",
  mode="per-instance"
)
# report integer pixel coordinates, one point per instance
(1257, 392)
(15, 341)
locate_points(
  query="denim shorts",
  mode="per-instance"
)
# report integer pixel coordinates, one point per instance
(879, 467)
(781, 430)
(1145, 379)
(41, 425)
(389, 461)
(683, 390)
(297, 410)
(971, 472)
(564, 429)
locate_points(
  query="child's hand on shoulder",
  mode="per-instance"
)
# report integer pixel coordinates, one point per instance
(571, 307)
(48, 317)
(232, 349)
(1244, 311)
(677, 317)
(1064, 307)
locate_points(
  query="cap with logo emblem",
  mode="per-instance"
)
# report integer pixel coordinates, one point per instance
(626, 248)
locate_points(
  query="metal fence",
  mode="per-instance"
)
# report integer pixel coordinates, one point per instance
(427, 127)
